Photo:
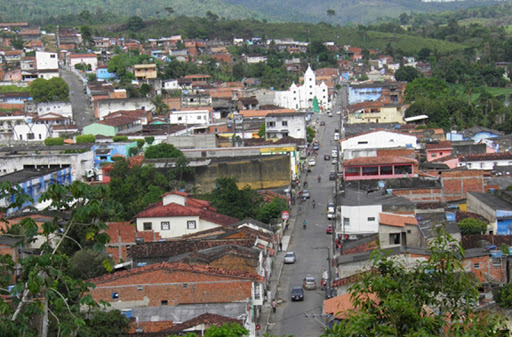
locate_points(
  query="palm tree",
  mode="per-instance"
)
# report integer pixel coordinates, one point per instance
(160, 107)
(331, 13)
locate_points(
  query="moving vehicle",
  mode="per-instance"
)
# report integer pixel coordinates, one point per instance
(332, 176)
(297, 294)
(329, 114)
(306, 194)
(328, 229)
(289, 258)
(330, 206)
(327, 157)
(322, 123)
(336, 136)
(331, 215)
(309, 283)
(312, 162)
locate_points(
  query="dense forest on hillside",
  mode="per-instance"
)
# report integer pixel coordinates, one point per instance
(344, 11)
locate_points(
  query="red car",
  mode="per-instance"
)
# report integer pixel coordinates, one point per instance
(328, 229)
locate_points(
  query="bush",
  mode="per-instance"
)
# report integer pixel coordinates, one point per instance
(149, 139)
(85, 139)
(472, 226)
(132, 151)
(504, 296)
(120, 139)
(54, 141)
(140, 143)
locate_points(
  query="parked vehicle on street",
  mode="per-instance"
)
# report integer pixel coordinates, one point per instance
(331, 215)
(297, 294)
(332, 176)
(306, 194)
(309, 283)
(328, 229)
(289, 258)
(330, 207)
(327, 157)
(312, 162)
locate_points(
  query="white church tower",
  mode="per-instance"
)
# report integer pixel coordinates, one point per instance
(302, 97)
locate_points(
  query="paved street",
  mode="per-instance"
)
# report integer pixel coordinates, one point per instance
(311, 247)
(82, 112)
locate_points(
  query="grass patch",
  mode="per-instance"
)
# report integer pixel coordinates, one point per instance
(13, 88)
(460, 91)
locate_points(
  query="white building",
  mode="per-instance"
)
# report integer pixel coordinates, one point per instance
(177, 215)
(190, 117)
(61, 108)
(107, 106)
(366, 144)
(86, 59)
(38, 128)
(485, 161)
(47, 64)
(302, 97)
(285, 125)
(171, 84)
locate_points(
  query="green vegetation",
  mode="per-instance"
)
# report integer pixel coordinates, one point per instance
(85, 139)
(432, 298)
(472, 226)
(162, 150)
(54, 141)
(120, 139)
(52, 90)
(13, 88)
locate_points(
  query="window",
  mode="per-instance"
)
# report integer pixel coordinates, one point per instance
(434, 155)
(284, 123)
(394, 238)
(271, 124)
(179, 118)
(115, 296)
(30, 136)
(371, 219)
(198, 117)
(191, 224)
(40, 136)
(362, 143)
(185, 285)
(139, 288)
(163, 302)
(346, 221)
(476, 265)
(496, 262)
(165, 225)
(481, 165)
(52, 56)
(147, 226)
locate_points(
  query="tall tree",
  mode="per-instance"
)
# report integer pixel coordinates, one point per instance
(53, 90)
(331, 13)
(435, 297)
(161, 107)
(232, 201)
(45, 298)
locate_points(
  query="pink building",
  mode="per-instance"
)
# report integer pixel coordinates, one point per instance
(438, 150)
(383, 167)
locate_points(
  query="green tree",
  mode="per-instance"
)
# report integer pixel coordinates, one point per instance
(135, 23)
(472, 226)
(310, 134)
(53, 90)
(161, 107)
(17, 42)
(120, 139)
(162, 150)
(86, 33)
(431, 87)
(226, 330)
(331, 13)
(504, 296)
(45, 290)
(101, 323)
(407, 74)
(88, 263)
(272, 210)
(149, 139)
(433, 297)
(262, 131)
(230, 200)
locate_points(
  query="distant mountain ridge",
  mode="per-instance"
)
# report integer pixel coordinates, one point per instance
(345, 11)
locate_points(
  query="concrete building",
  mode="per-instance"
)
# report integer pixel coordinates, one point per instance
(105, 107)
(145, 72)
(89, 60)
(190, 117)
(47, 64)
(302, 97)
(497, 211)
(42, 108)
(177, 215)
(485, 161)
(285, 125)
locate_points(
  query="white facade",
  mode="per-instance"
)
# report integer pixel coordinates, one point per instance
(282, 125)
(484, 164)
(362, 219)
(354, 147)
(301, 97)
(46, 61)
(189, 117)
(61, 108)
(107, 106)
(171, 85)
(92, 60)
(32, 132)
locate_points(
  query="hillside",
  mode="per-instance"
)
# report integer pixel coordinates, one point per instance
(346, 11)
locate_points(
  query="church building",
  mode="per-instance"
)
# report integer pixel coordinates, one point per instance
(305, 97)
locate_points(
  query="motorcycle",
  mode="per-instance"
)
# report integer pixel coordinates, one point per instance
(319, 178)
(314, 204)
(304, 224)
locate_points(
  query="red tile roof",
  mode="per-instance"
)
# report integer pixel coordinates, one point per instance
(158, 210)
(340, 305)
(203, 269)
(118, 121)
(389, 219)
(487, 156)
(439, 146)
(379, 161)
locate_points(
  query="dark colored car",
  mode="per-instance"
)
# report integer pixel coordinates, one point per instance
(332, 176)
(322, 123)
(297, 294)
(327, 157)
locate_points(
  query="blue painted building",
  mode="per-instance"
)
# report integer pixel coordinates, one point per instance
(35, 182)
(363, 92)
(103, 74)
(103, 153)
(495, 208)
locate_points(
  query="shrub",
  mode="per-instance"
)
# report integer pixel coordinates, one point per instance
(85, 139)
(140, 143)
(149, 139)
(120, 138)
(132, 151)
(54, 141)
(472, 226)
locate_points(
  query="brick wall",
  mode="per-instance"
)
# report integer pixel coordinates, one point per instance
(484, 267)
(476, 241)
(175, 287)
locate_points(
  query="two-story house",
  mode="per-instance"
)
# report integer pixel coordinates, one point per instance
(279, 125)
(178, 214)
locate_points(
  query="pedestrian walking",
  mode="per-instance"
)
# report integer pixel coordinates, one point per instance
(280, 246)
(274, 305)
